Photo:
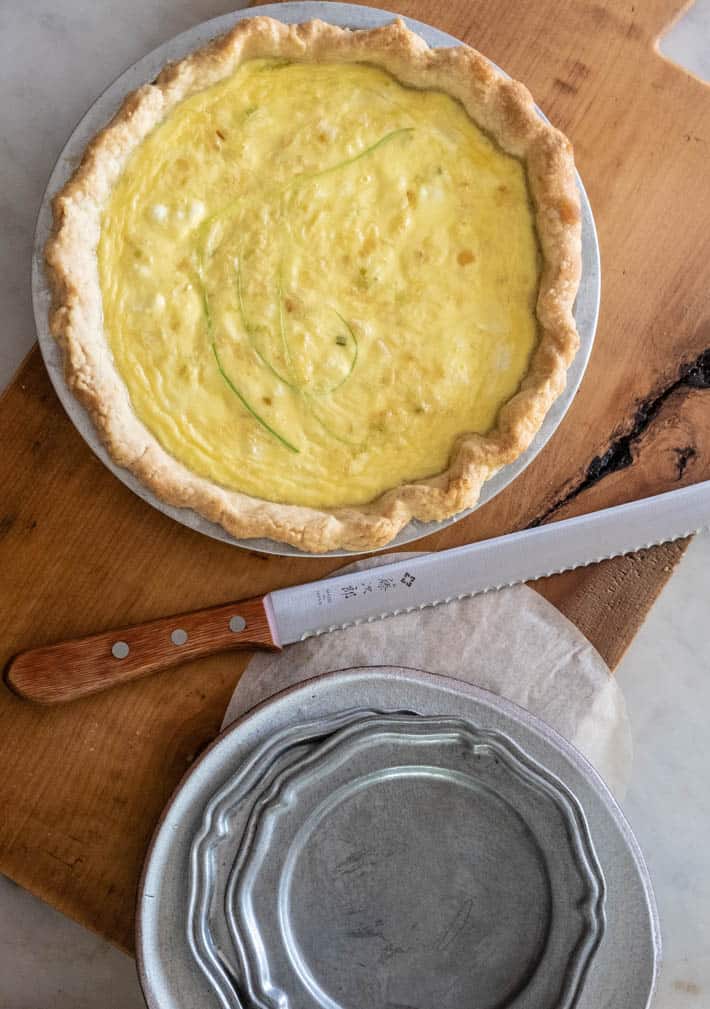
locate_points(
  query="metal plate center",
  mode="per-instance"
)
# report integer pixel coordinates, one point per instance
(421, 882)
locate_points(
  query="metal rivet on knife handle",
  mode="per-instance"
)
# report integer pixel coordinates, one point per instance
(71, 669)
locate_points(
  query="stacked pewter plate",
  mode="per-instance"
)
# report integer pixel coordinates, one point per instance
(383, 838)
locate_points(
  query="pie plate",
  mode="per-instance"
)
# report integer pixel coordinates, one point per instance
(344, 15)
(384, 838)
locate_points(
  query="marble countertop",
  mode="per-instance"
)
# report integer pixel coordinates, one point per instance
(56, 58)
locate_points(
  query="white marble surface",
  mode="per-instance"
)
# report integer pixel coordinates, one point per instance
(666, 680)
(55, 57)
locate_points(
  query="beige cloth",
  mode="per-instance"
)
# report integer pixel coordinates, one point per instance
(512, 642)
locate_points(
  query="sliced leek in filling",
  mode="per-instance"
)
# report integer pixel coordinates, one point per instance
(315, 279)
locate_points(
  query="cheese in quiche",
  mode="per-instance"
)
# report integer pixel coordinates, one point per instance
(315, 279)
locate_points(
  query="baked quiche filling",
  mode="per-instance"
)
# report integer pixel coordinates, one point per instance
(314, 279)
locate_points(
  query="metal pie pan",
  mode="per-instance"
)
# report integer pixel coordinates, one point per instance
(310, 812)
(146, 69)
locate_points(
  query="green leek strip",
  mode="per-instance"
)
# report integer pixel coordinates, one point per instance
(242, 399)
(249, 329)
(307, 397)
(206, 308)
(306, 177)
(245, 402)
(333, 388)
(300, 389)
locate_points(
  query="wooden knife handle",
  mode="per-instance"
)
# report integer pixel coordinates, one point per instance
(71, 669)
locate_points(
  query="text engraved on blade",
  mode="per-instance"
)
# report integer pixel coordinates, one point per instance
(327, 596)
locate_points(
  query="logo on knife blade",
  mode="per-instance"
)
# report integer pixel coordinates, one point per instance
(407, 579)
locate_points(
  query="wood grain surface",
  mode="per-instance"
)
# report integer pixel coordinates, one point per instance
(83, 784)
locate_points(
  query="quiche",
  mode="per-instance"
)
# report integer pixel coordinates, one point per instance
(314, 282)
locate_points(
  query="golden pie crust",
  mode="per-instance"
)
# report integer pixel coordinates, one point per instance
(501, 107)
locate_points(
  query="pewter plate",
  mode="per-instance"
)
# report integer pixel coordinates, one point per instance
(212, 851)
(414, 855)
(347, 16)
(510, 892)
(365, 839)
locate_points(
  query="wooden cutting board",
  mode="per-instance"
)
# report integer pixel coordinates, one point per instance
(83, 786)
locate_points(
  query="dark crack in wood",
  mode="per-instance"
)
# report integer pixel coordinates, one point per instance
(683, 457)
(619, 455)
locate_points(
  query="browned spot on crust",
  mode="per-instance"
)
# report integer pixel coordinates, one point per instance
(465, 257)
(569, 211)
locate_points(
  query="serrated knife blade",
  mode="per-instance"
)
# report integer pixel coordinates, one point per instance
(69, 669)
(402, 586)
